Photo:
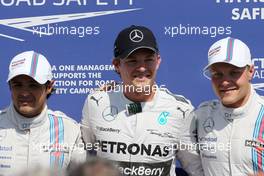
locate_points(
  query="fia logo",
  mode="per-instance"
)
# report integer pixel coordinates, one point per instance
(162, 119)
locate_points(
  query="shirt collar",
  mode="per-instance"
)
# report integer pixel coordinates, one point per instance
(234, 113)
(145, 105)
(25, 123)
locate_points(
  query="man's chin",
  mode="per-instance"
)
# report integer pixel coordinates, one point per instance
(228, 96)
(145, 83)
(228, 101)
(142, 86)
(143, 89)
(26, 111)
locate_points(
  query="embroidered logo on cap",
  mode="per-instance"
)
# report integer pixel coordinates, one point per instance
(214, 51)
(136, 35)
(17, 63)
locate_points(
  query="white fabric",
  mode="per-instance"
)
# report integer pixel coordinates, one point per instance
(31, 64)
(229, 50)
(227, 136)
(141, 143)
(27, 142)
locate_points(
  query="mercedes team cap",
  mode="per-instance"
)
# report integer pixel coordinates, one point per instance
(132, 38)
(228, 50)
(31, 64)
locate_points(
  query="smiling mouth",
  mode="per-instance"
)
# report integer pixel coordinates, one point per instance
(227, 90)
(24, 102)
(142, 76)
(141, 79)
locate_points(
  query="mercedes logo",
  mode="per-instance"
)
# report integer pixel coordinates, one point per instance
(110, 113)
(208, 125)
(136, 35)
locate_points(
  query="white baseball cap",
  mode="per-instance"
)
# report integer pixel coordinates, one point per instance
(228, 50)
(31, 64)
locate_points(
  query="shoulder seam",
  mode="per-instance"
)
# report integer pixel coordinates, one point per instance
(178, 98)
(64, 116)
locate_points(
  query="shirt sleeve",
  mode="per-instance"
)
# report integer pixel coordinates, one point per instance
(187, 152)
(86, 127)
(78, 154)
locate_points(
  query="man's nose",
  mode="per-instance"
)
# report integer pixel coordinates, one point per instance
(24, 91)
(226, 80)
(24, 94)
(141, 66)
(142, 69)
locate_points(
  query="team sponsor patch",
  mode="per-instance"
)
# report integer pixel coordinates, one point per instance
(214, 51)
(17, 63)
(207, 139)
(111, 130)
(6, 148)
(5, 157)
(208, 156)
(162, 119)
(160, 134)
(255, 144)
(134, 148)
(5, 166)
(110, 113)
(145, 169)
(208, 125)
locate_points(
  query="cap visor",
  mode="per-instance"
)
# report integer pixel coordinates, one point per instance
(39, 80)
(206, 71)
(130, 51)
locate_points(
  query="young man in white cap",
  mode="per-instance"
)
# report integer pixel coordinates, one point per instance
(137, 124)
(230, 130)
(31, 135)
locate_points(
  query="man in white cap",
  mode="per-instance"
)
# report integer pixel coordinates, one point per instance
(230, 130)
(137, 124)
(31, 135)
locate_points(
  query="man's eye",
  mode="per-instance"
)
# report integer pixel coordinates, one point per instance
(216, 75)
(131, 61)
(235, 73)
(149, 60)
(34, 85)
(16, 85)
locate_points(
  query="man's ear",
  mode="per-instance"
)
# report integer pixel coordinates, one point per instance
(251, 71)
(50, 86)
(116, 63)
(159, 61)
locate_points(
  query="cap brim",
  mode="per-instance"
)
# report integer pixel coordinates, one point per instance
(206, 71)
(39, 80)
(130, 51)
